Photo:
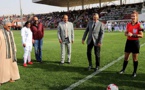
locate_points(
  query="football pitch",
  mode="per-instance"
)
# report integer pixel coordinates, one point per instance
(49, 75)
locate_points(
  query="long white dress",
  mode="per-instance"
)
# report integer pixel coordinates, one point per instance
(8, 67)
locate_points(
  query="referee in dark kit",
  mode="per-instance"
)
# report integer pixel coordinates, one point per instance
(133, 32)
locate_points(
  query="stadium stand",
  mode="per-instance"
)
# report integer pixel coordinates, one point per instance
(80, 18)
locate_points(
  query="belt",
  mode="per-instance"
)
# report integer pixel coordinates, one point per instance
(66, 38)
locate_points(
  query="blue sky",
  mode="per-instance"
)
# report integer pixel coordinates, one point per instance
(9, 7)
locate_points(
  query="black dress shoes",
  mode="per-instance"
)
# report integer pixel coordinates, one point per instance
(40, 61)
(68, 63)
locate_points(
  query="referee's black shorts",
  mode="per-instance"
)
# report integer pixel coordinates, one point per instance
(132, 46)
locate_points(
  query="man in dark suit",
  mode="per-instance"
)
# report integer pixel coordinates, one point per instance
(95, 32)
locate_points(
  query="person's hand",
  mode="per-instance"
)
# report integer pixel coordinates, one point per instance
(24, 45)
(82, 41)
(72, 41)
(99, 44)
(129, 34)
(33, 41)
(60, 41)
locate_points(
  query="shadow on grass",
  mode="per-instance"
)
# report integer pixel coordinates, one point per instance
(66, 70)
(53, 66)
(98, 82)
(87, 87)
(123, 81)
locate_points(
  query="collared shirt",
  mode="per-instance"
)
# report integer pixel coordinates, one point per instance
(134, 29)
(94, 23)
(66, 29)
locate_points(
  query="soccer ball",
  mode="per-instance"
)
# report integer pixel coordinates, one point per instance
(112, 87)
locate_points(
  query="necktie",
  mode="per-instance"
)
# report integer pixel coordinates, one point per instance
(93, 29)
(93, 26)
(66, 30)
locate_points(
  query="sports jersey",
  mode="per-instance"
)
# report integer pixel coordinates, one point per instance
(134, 29)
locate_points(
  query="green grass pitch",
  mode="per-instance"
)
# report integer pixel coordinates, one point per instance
(51, 76)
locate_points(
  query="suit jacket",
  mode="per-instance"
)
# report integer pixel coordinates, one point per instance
(96, 34)
(61, 31)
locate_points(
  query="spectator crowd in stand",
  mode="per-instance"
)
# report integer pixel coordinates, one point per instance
(80, 18)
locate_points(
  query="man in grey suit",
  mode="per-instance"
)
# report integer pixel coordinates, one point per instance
(95, 31)
(66, 37)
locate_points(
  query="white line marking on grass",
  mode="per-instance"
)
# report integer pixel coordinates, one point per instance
(95, 73)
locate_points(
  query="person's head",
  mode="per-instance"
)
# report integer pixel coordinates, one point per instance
(7, 25)
(35, 20)
(134, 16)
(27, 24)
(95, 17)
(65, 18)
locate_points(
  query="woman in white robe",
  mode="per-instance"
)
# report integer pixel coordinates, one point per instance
(27, 43)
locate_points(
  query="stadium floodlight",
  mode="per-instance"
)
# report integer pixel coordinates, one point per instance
(21, 14)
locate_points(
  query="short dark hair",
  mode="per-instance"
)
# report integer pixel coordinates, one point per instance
(26, 23)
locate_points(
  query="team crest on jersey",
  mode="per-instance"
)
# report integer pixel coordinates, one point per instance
(134, 31)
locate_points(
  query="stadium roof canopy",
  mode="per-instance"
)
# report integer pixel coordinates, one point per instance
(70, 3)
